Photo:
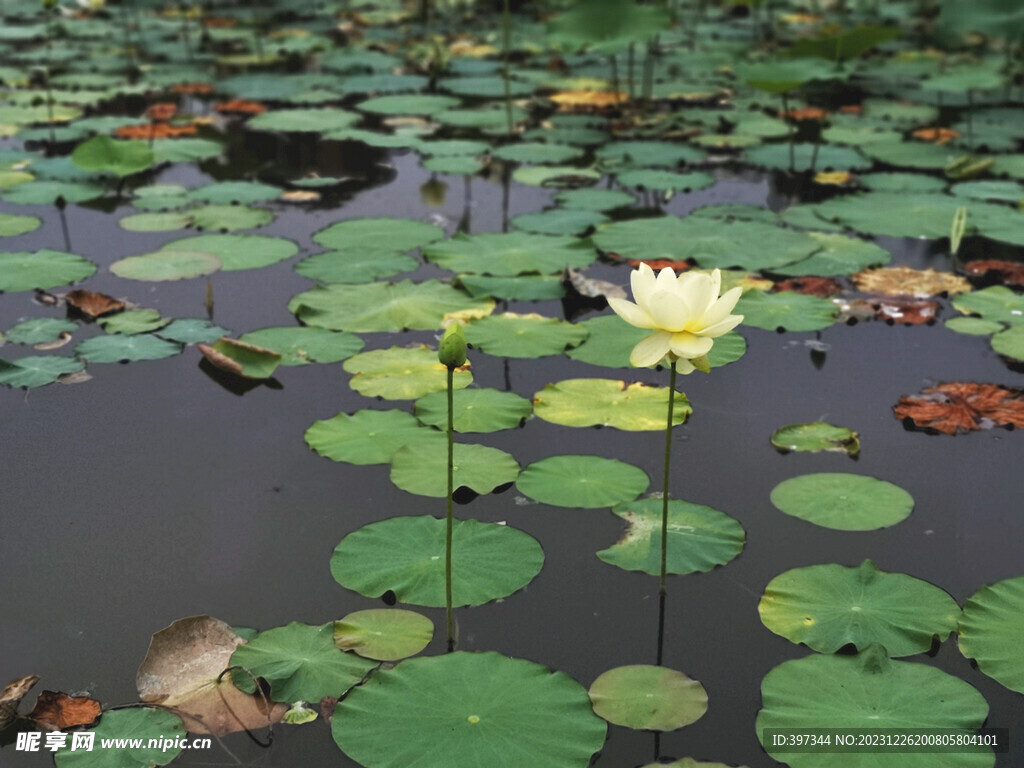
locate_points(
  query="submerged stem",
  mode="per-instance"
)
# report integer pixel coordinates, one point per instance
(448, 529)
(664, 487)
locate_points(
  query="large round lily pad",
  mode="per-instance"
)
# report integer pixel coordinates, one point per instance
(166, 265)
(513, 335)
(582, 481)
(116, 348)
(238, 251)
(27, 271)
(300, 662)
(402, 373)
(699, 538)
(466, 710)
(422, 469)
(474, 410)
(377, 234)
(606, 402)
(839, 255)
(842, 501)
(829, 606)
(37, 371)
(370, 437)
(789, 310)
(12, 225)
(406, 556)
(652, 698)
(513, 253)
(991, 629)
(870, 691)
(383, 634)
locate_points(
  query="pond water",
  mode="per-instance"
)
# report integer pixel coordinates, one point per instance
(159, 490)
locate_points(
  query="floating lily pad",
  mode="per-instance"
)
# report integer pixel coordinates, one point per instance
(469, 709)
(384, 306)
(911, 154)
(587, 482)
(12, 225)
(133, 321)
(123, 158)
(47, 192)
(166, 265)
(991, 628)
(594, 199)
(136, 726)
(299, 346)
(664, 181)
(209, 217)
(406, 555)
(901, 214)
(619, 155)
(843, 502)
(973, 326)
(606, 402)
(40, 330)
(816, 436)
(369, 437)
(300, 662)
(786, 309)
(647, 697)
(1008, 191)
(303, 120)
(401, 373)
(422, 469)
(839, 255)
(558, 221)
(26, 271)
(234, 193)
(237, 251)
(116, 348)
(192, 330)
(996, 303)
(520, 288)
(1009, 343)
(527, 336)
(750, 245)
(355, 266)
(383, 634)
(184, 150)
(826, 607)
(555, 176)
(408, 104)
(474, 410)
(869, 691)
(32, 372)
(699, 538)
(805, 156)
(688, 762)
(457, 165)
(901, 182)
(513, 253)
(538, 153)
(378, 234)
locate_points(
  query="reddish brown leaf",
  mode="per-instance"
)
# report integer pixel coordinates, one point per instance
(823, 287)
(219, 22)
(936, 135)
(907, 311)
(656, 264)
(154, 131)
(1010, 272)
(851, 109)
(192, 88)
(959, 407)
(92, 304)
(11, 696)
(240, 107)
(162, 111)
(327, 705)
(56, 711)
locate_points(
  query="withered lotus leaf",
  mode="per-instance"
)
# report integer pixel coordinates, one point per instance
(822, 287)
(182, 671)
(92, 304)
(1009, 272)
(11, 696)
(907, 311)
(958, 407)
(55, 711)
(904, 281)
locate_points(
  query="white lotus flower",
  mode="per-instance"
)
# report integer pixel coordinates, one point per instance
(686, 313)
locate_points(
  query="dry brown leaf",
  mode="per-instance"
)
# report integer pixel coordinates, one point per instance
(181, 672)
(240, 107)
(904, 281)
(1010, 272)
(805, 113)
(92, 304)
(823, 287)
(907, 311)
(162, 111)
(62, 338)
(588, 101)
(11, 696)
(936, 135)
(592, 288)
(958, 407)
(851, 109)
(56, 711)
(154, 131)
(657, 264)
(192, 88)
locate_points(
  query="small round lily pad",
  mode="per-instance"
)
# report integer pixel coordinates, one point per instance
(843, 502)
(582, 481)
(816, 436)
(383, 634)
(646, 697)
(422, 469)
(474, 410)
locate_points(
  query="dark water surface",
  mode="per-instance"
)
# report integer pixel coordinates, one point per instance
(151, 492)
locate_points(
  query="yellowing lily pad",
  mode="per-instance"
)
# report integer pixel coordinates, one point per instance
(606, 402)
(402, 373)
(648, 697)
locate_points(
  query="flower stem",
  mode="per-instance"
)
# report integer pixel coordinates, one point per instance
(448, 530)
(664, 487)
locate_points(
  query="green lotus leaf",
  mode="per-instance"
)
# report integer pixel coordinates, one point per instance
(166, 265)
(466, 710)
(786, 309)
(377, 234)
(208, 217)
(623, 155)
(594, 199)
(843, 502)
(558, 221)
(901, 182)
(537, 153)
(750, 245)
(27, 271)
(452, 148)
(912, 154)
(401, 373)
(123, 158)
(300, 663)
(406, 556)
(816, 436)
(369, 437)
(997, 303)
(485, 87)
(355, 266)
(555, 176)
(184, 150)
(237, 251)
(384, 82)
(384, 306)
(116, 348)
(529, 336)
(513, 253)
(32, 372)
(664, 181)
(520, 288)
(587, 482)
(318, 120)
(408, 104)
(133, 321)
(474, 410)
(384, 634)
(12, 225)
(422, 469)
(991, 628)
(699, 538)
(607, 25)
(491, 118)
(807, 157)
(299, 346)
(192, 330)
(973, 326)
(900, 111)
(39, 330)
(870, 691)
(233, 193)
(605, 402)
(839, 255)
(161, 197)
(1006, 191)
(736, 211)
(244, 359)
(826, 607)
(783, 76)
(140, 725)
(645, 697)
(1009, 343)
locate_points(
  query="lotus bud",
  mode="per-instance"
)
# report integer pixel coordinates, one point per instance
(452, 350)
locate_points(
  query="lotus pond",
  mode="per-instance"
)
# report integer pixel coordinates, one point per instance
(256, 486)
